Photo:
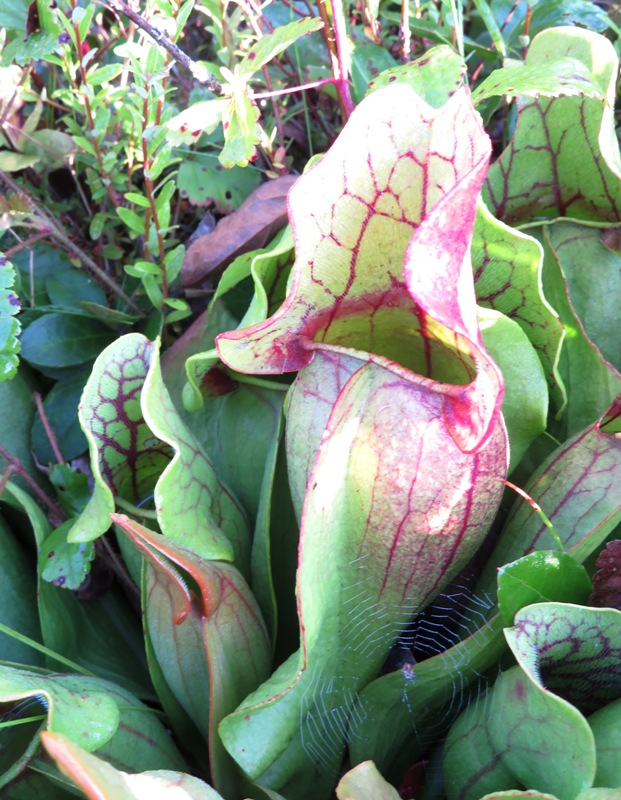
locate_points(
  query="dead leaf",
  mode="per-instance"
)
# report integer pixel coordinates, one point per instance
(607, 579)
(262, 214)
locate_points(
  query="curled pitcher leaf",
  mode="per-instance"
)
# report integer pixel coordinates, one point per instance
(99, 780)
(395, 441)
(140, 448)
(207, 635)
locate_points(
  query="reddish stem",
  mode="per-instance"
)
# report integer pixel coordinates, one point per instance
(15, 465)
(51, 436)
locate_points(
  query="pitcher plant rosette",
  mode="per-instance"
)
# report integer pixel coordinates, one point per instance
(396, 445)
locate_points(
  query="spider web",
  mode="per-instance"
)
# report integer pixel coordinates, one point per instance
(331, 711)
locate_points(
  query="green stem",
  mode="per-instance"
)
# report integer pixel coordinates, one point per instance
(135, 511)
(252, 380)
(45, 650)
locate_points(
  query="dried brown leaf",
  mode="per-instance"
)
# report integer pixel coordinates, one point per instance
(256, 221)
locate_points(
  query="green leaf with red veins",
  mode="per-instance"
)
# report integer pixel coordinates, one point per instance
(519, 735)
(393, 424)
(582, 298)
(139, 446)
(98, 714)
(312, 400)
(507, 268)
(578, 489)
(530, 730)
(591, 382)
(358, 587)
(572, 650)
(568, 143)
(99, 780)
(423, 695)
(213, 647)
(126, 458)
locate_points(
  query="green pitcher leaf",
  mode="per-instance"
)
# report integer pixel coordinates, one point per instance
(22, 501)
(529, 730)
(101, 634)
(139, 446)
(577, 488)
(606, 726)
(126, 458)
(591, 382)
(508, 278)
(194, 507)
(525, 401)
(100, 716)
(425, 696)
(78, 706)
(274, 546)
(237, 426)
(591, 291)
(375, 331)
(539, 174)
(212, 648)
(99, 780)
